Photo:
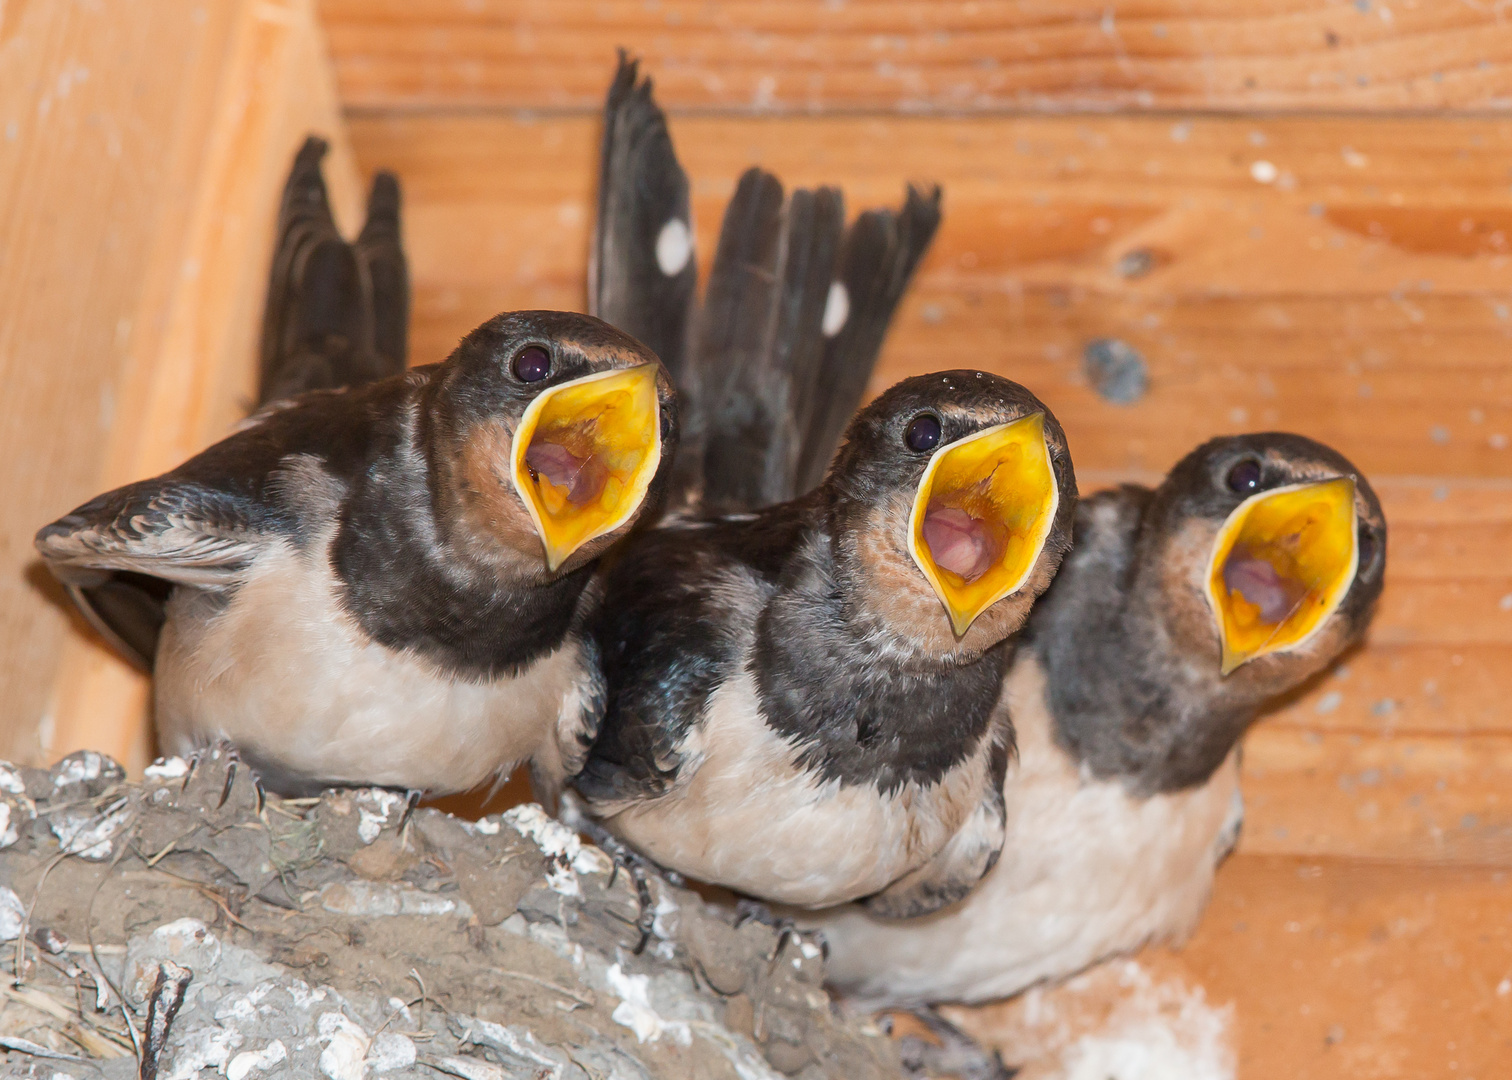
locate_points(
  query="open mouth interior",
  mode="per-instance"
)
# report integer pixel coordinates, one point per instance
(585, 454)
(1282, 564)
(981, 516)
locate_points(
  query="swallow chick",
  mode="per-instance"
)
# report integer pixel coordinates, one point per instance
(1179, 616)
(804, 701)
(382, 585)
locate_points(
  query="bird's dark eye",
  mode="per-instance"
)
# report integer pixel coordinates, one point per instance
(1244, 477)
(923, 432)
(1367, 547)
(532, 364)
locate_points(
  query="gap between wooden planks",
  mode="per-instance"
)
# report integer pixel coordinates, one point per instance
(1347, 298)
(927, 55)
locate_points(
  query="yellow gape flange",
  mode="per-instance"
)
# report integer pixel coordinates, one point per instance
(981, 516)
(585, 454)
(1280, 567)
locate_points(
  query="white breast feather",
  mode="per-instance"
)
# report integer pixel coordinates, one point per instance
(1087, 872)
(284, 671)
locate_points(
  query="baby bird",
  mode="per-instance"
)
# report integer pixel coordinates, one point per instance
(803, 702)
(382, 583)
(803, 693)
(1179, 615)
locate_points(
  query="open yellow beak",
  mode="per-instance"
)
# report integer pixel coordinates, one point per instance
(1281, 565)
(981, 516)
(585, 454)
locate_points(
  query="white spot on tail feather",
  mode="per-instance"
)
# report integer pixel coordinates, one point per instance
(836, 309)
(674, 247)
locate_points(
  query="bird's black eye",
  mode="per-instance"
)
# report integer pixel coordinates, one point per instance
(532, 364)
(1244, 477)
(1367, 547)
(923, 432)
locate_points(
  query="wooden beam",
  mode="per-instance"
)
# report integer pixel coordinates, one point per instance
(800, 56)
(140, 191)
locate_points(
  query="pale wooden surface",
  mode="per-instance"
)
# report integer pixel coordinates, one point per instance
(929, 55)
(139, 182)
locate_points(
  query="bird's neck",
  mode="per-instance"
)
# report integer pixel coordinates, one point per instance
(1128, 698)
(865, 709)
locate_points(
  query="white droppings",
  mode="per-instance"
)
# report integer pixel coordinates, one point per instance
(1264, 172)
(248, 1061)
(374, 807)
(836, 309)
(205, 1048)
(523, 1045)
(1328, 702)
(10, 779)
(557, 842)
(1504, 988)
(12, 915)
(390, 1051)
(9, 830)
(243, 1006)
(381, 898)
(346, 1047)
(674, 247)
(87, 836)
(469, 1068)
(169, 768)
(488, 826)
(1506, 602)
(635, 1012)
(1353, 158)
(79, 768)
(809, 950)
(303, 996)
(664, 921)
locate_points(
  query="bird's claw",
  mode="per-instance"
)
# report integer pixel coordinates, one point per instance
(954, 1053)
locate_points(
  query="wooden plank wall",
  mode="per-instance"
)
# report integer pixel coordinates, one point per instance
(142, 158)
(1244, 193)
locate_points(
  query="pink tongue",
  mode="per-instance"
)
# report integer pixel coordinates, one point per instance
(582, 477)
(957, 542)
(1257, 581)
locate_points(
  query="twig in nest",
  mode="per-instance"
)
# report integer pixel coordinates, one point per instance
(162, 1007)
(208, 892)
(588, 1002)
(20, 975)
(129, 840)
(26, 1046)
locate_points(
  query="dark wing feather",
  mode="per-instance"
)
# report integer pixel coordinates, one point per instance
(121, 553)
(770, 360)
(642, 273)
(881, 250)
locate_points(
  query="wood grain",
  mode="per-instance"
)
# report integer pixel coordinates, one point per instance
(140, 200)
(797, 56)
(1258, 312)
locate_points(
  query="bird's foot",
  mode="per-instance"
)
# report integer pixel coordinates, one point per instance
(948, 1051)
(748, 910)
(626, 859)
(213, 772)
